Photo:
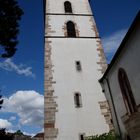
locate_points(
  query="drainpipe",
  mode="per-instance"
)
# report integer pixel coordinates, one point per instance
(115, 113)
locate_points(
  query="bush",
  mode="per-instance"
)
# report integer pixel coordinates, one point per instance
(105, 136)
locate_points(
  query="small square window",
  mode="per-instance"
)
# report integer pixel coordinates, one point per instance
(78, 66)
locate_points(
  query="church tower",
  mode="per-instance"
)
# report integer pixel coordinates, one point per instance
(74, 61)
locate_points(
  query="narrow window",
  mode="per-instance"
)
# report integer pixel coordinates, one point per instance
(68, 8)
(78, 100)
(71, 29)
(82, 136)
(126, 91)
(78, 65)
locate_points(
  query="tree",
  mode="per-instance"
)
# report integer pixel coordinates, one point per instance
(18, 133)
(10, 15)
(5, 136)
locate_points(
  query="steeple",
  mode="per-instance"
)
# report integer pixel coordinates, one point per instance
(74, 61)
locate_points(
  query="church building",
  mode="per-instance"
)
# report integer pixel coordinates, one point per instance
(75, 106)
(120, 83)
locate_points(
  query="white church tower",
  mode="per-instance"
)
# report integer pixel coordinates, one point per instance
(74, 61)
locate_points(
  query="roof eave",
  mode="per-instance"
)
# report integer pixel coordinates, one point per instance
(130, 30)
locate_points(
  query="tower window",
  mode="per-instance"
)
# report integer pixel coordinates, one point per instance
(127, 93)
(68, 8)
(71, 29)
(78, 65)
(82, 136)
(78, 100)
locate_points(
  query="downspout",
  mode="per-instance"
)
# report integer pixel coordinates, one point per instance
(115, 113)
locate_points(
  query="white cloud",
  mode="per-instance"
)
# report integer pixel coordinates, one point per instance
(29, 134)
(19, 69)
(5, 123)
(112, 42)
(29, 106)
(12, 118)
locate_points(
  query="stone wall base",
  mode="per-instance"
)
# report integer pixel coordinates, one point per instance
(132, 125)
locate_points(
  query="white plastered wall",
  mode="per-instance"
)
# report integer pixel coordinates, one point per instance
(69, 120)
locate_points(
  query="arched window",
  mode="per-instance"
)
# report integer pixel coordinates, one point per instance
(126, 91)
(78, 100)
(68, 8)
(71, 29)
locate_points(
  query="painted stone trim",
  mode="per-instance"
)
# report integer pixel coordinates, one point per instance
(88, 6)
(102, 58)
(48, 6)
(102, 61)
(49, 30)
(105, 110)
(50, 108)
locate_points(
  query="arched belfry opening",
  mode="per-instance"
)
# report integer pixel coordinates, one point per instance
(126, 91)
(68, 7)
(71, 32)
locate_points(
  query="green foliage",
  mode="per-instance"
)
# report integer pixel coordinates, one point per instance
(10, 15)
(105, 136)
(19, 133)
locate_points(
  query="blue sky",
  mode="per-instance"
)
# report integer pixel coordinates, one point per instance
(22, 76)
